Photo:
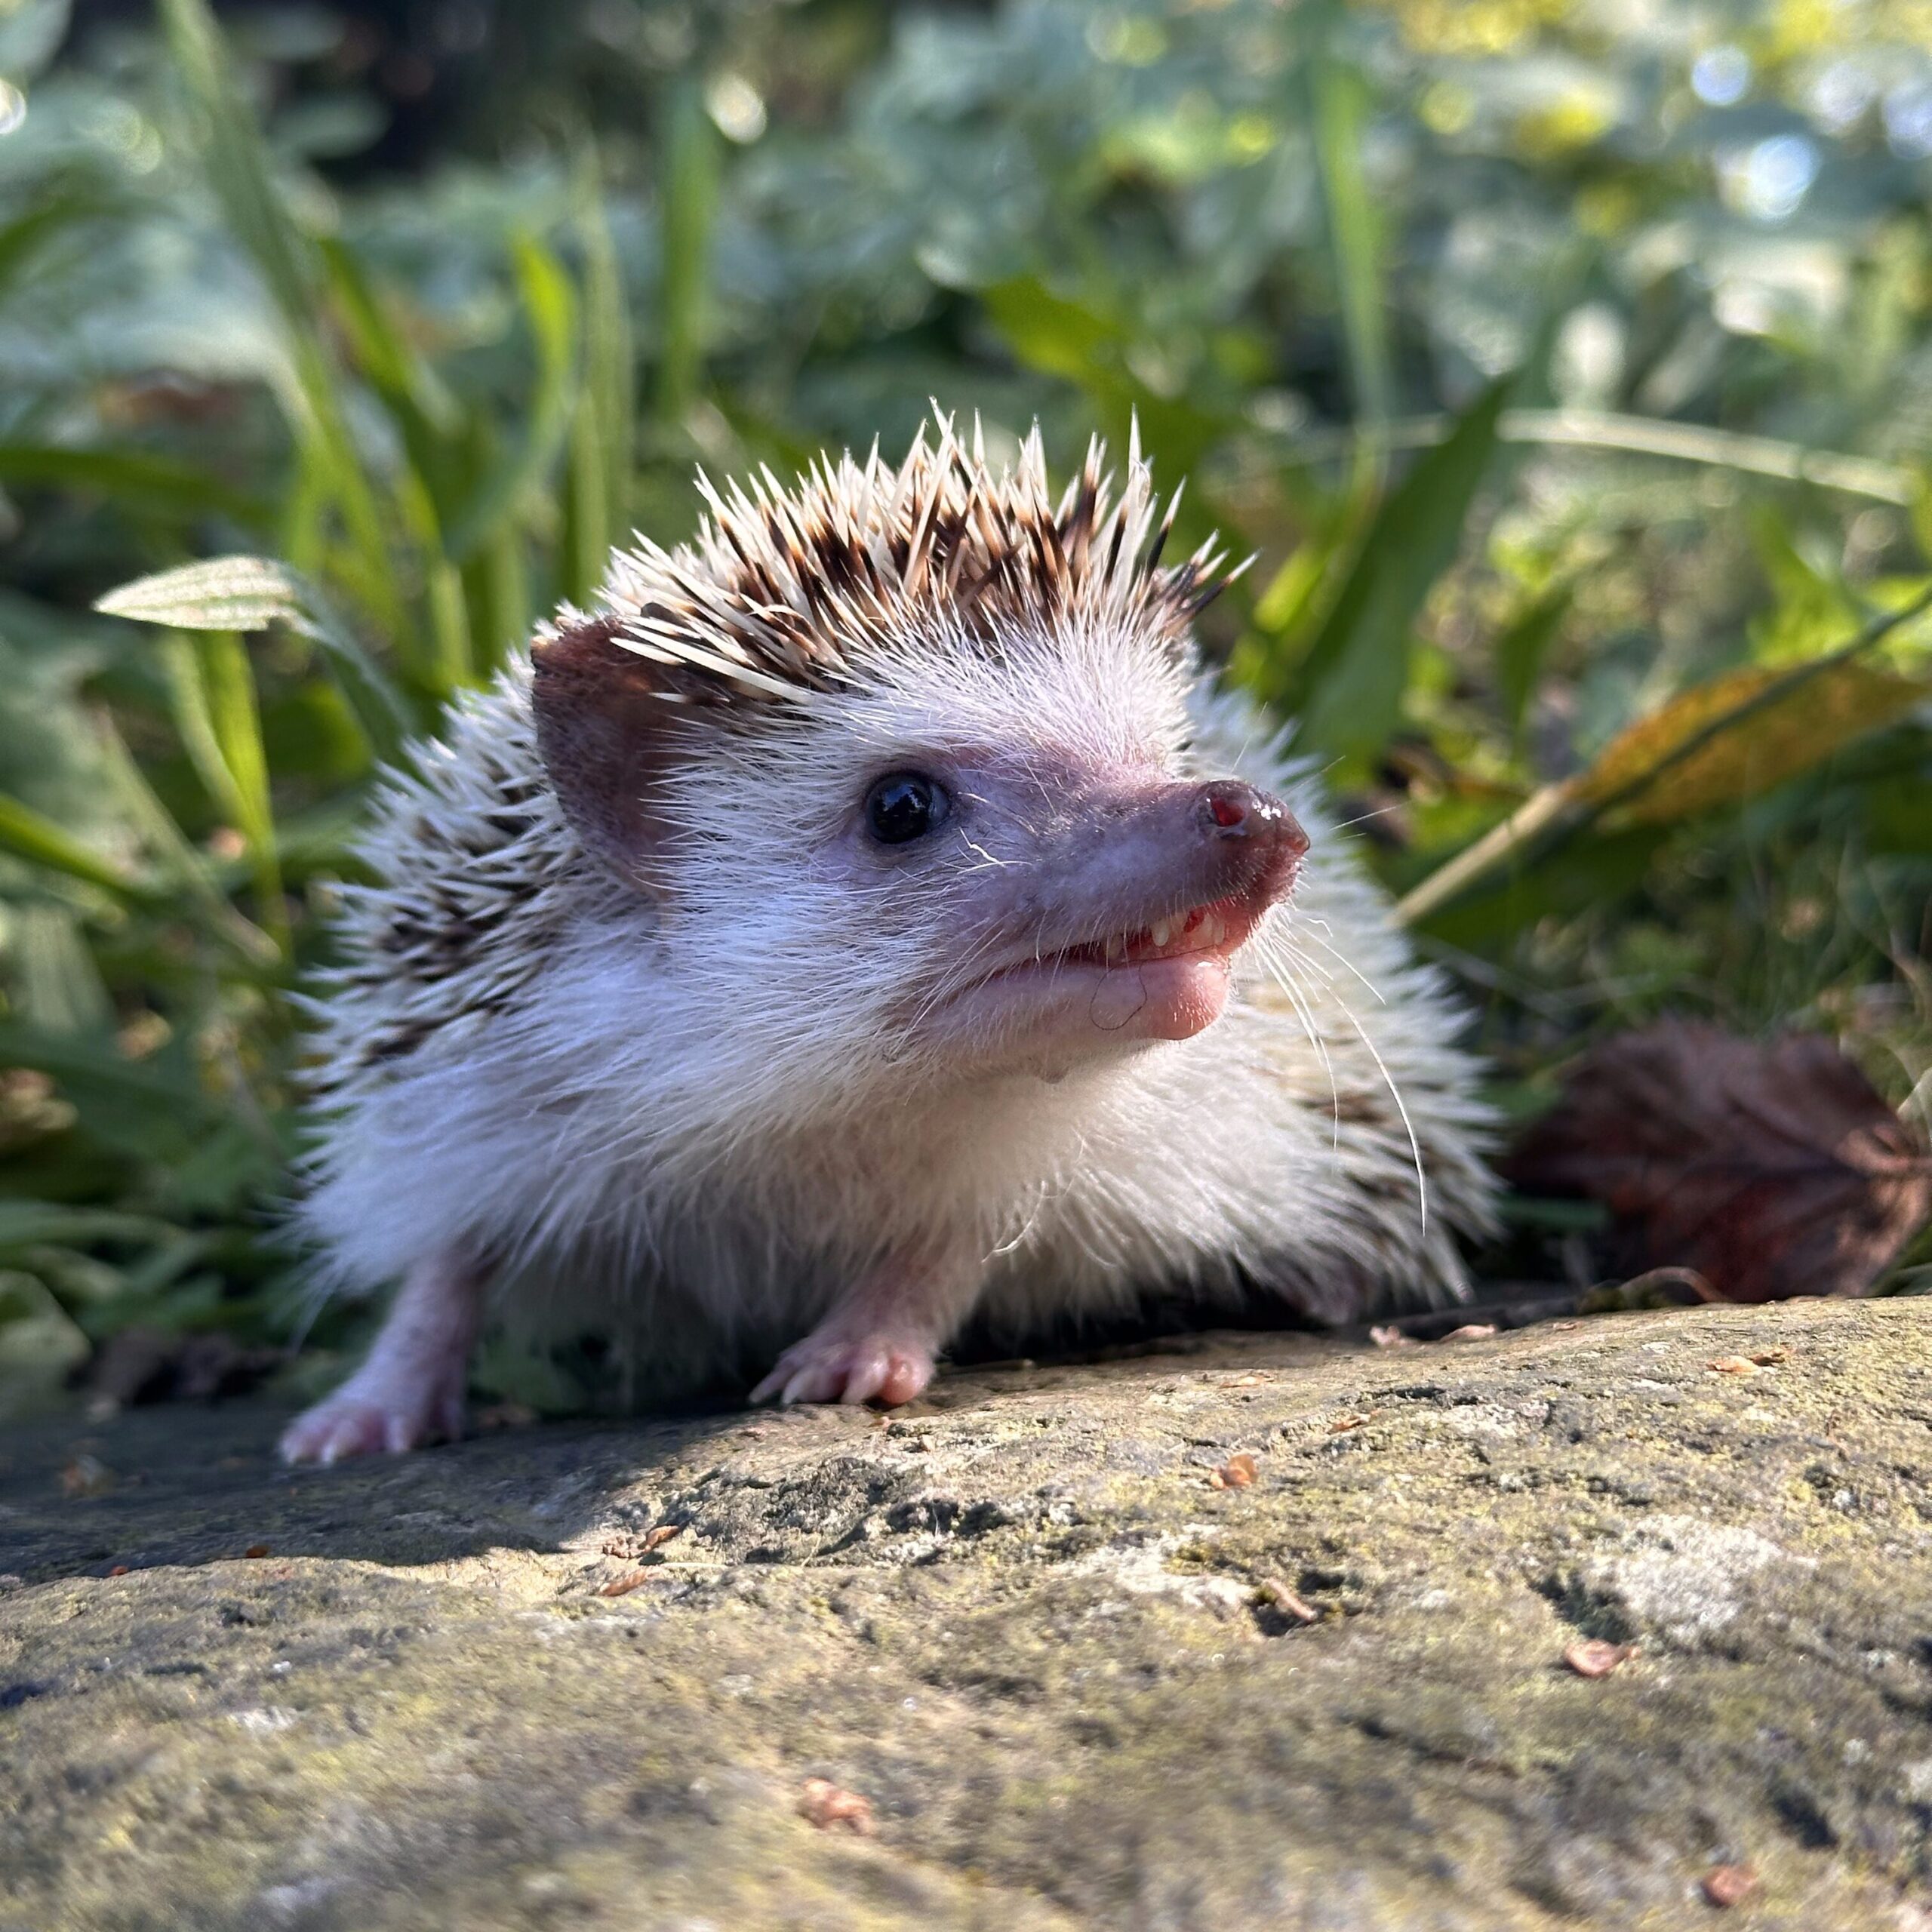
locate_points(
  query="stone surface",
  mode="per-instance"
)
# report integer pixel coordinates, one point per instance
(1022, 1623)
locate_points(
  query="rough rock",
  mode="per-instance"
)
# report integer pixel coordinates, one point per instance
(1022, 1623)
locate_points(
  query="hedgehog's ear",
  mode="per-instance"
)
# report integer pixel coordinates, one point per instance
(606, 730)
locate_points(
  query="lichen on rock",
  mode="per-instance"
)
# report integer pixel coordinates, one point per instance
(1023, 1632)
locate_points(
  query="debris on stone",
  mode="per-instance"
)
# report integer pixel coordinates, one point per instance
(1732, 1365)
(504, 1415)
(1472, 1331)
(1272, 1590)
(85, 1474)
(1729, 1885)
(830, 1806)
(1237, 1472)
(1592, 1657)
(622, 1586)
(1340, 1424)
(1387, 1335)
(257, 1549)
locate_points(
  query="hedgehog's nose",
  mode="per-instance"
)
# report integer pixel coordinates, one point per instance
(1229, 809)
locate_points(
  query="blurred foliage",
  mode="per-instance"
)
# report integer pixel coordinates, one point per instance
(1568, 368)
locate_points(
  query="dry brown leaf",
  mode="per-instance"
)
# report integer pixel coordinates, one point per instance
(655, 1539)
(1273, 1590)
(1340, 1424)
(256, 1551)
(1729, 1885)
(1592, 1657)
(622, 1586)
(1732, 1365)
(1765, 1358)
(1771, 1170)
(1790, 730)
(1237, 1472)
(1472, 1331)
(829, 1806)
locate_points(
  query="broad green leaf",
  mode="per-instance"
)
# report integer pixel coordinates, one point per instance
(27, 835)
(1049, 333)
(1348, 692)
(1060, 337)
(251, 593)
(1726, 740)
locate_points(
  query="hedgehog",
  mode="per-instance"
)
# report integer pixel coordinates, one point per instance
(872, 915)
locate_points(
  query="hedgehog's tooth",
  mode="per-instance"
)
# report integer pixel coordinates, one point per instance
(1163, 931)
(1114, 951)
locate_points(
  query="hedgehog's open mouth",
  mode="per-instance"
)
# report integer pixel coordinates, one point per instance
(1223, 926)
(1167, 980)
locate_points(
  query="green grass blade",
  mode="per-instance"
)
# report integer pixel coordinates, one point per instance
(250, 594)
(21, 238)
(57, 986)
(236, 712)
(157, 486)
(215, 713)
(27, 835)
(242, 173)
(687, 192)
(587, 538)
(610, 353)
(550, 305)
(179, 859)
(1355, 235)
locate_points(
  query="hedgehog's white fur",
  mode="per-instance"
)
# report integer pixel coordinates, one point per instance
(693, 1125)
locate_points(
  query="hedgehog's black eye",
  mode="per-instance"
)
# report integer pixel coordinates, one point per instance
(905, 806)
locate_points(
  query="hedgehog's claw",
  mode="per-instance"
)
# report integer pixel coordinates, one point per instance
(355, 1422)
(828, 1366)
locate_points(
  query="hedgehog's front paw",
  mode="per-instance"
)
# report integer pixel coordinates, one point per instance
(364, 1417)
(832, 1365)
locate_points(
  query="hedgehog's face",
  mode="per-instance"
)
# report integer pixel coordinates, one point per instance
(903, 758)
(975, 866)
